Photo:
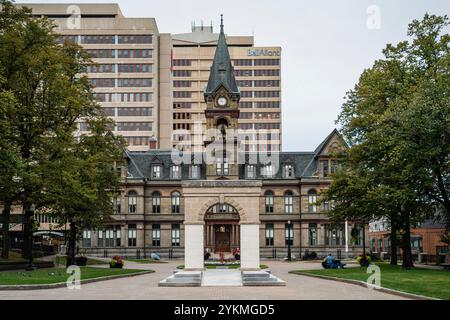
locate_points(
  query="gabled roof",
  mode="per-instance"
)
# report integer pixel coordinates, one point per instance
(222, 71)
(327, 140)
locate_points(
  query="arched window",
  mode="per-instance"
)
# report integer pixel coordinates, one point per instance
(132, 201)
(268, 198)
(156, 202)
(288, 202)
(175, 202)
(312, 199)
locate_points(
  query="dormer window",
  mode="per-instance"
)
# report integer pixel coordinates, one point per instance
(251, 172)
(267, 171)
(288, 171)
(175, 172)
(156, 171)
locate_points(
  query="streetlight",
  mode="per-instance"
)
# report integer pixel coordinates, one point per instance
(289, 241)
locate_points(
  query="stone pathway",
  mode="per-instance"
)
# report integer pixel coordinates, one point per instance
(222, 278)
(146, 287)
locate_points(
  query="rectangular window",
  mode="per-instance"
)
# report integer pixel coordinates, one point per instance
(269, 234)
(86, 239)
(156, 235)
(156, 172)
(267, 171)
(289, 234)
(118, 237)
(325, 168)
(138, 38)
(195, 172)
(132, 235)
(175, 235)
(289, 171)
(251, 172)
(100, 239)
(312, 234)
(176, 172)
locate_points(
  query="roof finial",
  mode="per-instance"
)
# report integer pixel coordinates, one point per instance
(221, 22)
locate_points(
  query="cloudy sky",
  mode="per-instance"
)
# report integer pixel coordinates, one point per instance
(326, 45)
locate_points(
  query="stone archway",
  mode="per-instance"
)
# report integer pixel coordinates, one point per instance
(199, 196)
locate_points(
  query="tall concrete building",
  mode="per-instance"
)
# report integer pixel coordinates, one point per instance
(152, 84)
(258, 75)
(126, 70)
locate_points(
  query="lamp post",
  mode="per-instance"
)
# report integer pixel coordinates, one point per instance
(289, 241)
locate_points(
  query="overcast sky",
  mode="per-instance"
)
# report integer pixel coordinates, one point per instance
(325, 45)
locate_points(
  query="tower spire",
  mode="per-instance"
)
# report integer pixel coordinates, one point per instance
(222, 71)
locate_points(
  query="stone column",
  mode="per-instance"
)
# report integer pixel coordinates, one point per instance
(194, 246)
(250, 246)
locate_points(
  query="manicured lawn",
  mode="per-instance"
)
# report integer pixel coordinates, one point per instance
(56, 275)
(426, 282)
(145, 261)
(62, 260)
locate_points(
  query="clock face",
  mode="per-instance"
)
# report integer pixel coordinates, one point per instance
(222, 101)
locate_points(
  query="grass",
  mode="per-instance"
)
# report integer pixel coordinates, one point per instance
(57, 275)
(426, 282)
(145, 261)
(62, 260)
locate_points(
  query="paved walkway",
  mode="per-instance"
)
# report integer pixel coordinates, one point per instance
(146, 287)
(223, 278)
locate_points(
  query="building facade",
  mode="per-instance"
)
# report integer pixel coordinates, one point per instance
(225, 197)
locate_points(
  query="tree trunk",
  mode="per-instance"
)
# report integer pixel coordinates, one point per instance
(27, 246)
(72, 244)
(394, 243)
(406, 244)
(5, 230)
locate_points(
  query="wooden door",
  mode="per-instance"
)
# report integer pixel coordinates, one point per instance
(222, 241)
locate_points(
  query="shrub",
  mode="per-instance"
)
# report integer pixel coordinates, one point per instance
(117, 262)
(81, 261)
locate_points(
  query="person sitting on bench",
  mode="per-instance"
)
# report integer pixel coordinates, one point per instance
(330, 263)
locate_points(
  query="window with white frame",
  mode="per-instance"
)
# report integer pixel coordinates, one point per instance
(251, 171)
(288, 171)
(132, 235)
(175, 235)
(288, 202)
(156, 202)
(269, 234)
(312, 200)
(175, 202)
(312, 232)
(267, 171)
(132, 202)
(156, 171)
(156, 235)
(268, 199)
(195, 171)
(86, 238)
(176, 172)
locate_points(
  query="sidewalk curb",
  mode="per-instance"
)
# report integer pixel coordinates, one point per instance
(364, 284)
(64, 284)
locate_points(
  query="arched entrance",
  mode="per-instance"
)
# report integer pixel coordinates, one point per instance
(222, 228)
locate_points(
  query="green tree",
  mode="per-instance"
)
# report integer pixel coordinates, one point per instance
(396, 121)
(50, 95)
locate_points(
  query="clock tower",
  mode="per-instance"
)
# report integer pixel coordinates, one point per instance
(222, 97)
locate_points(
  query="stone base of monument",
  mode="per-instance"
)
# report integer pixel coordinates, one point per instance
(183, 279)
(260, 278)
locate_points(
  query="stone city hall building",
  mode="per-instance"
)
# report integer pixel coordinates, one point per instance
(219, 203)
